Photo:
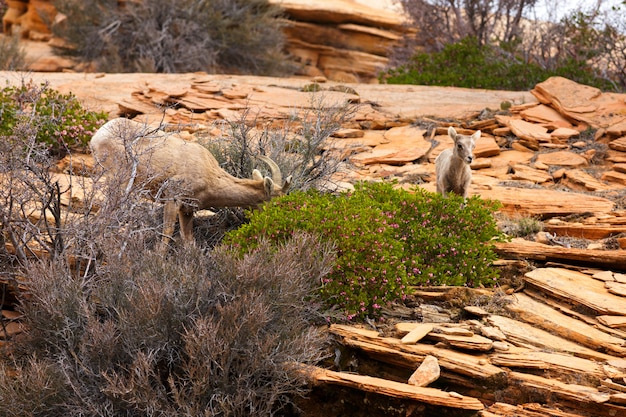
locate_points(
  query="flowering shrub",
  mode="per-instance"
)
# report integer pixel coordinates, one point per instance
(387, 239)
(58, 120)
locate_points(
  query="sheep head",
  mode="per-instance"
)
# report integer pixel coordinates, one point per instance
(274, 186)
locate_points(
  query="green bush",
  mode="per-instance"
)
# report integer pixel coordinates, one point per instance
(468, 64)
(386, 240)
(57, 120)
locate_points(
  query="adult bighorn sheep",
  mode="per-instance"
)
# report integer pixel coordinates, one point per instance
(452, 166)
(183, 173)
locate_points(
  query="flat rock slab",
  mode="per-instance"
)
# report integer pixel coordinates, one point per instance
(519, 248)
(406, 144)
(528, 336)
(395, 389)
(544, 202)
(104, 91)
(589, 182)
(541, 315)
(545, 114)
(582, 102)
(529, 131)
(562, 158)
(577, 287)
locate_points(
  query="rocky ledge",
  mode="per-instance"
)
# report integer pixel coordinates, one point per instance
(550, 342)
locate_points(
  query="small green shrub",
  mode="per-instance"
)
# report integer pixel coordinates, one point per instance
(469, 64)
(386, 239)
(521, 227)
(59, 120)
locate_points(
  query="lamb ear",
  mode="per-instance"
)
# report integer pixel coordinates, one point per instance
(452, 133)
(476, 135)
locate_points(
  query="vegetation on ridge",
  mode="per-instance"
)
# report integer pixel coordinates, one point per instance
(387, 239)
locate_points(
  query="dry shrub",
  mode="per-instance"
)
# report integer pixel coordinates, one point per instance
(12, 56)
(175, 36)
(194, 333)
(299, 146)
(117, 328)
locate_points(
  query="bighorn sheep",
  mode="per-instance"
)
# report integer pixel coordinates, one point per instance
(452, 165)
(183, 173)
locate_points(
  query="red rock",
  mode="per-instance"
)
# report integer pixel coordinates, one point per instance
(529, 131)
(544, 114)
(618, 144)
(427, 373)
(486, 146)
(511, 157)
(406, 144)
(349, 133)
(564, 133)
(526, 173)
(588, 182)
(581, 102)
(615, 177)
(562, 158)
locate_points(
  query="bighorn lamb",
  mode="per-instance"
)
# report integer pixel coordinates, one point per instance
(183, 173)
(452, 166)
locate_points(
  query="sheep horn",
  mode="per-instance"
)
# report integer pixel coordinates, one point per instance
(277, 177)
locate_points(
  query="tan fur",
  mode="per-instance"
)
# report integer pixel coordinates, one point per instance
(452, 166)
(185, 174)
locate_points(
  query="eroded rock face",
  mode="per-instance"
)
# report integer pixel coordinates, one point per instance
(341, 40)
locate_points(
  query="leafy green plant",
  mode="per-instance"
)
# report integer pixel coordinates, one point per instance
(469, 64)
(58, 120)
(386, 239)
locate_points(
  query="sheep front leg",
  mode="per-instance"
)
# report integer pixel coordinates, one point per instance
(170, 210)
(186, 225)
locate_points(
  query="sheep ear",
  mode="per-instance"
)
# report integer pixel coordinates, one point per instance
(268, 184)
(476, 135)
(452, 133)
(286, 184)
(256, 175)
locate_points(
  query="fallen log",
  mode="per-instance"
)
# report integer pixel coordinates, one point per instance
(520, 248)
